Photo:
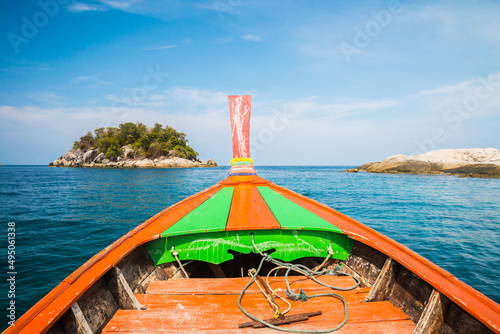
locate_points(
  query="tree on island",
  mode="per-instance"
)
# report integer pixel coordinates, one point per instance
(149, 142)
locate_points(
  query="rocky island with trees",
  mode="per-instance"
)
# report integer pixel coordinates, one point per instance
(132, 145)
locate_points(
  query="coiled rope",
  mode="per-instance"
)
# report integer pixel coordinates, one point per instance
(301, 296)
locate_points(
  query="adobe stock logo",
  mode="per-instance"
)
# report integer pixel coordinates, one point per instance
(371, 29)
(123, 105)
(454, 116)
(225, 6)
(30, 28)
(266, 135)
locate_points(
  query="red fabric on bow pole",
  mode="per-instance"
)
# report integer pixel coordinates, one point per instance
(239, 110)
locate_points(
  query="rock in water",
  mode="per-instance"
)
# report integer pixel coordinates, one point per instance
(478, 162)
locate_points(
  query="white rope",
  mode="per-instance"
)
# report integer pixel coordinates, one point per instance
(268, 297)
(330, 253)
(275, 293)
(176, 255)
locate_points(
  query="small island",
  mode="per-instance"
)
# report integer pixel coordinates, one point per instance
(132, 145)
(474, 162)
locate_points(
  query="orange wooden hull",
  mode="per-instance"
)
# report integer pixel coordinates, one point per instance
(48, 310)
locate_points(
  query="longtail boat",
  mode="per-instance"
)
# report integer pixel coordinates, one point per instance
(247, 254)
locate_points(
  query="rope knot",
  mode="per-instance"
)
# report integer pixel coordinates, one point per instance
(334, 271)
(174, 253)
(252, 272)
(330, 250)
(267, 257)
(294, 296)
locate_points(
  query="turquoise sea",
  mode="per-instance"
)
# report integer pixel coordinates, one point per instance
(63, 216)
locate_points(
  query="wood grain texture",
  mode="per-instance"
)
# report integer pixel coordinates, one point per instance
(382, 327)
(432, 318)
(211, 306)
(222, 313)
(231, 286)
(385, 280)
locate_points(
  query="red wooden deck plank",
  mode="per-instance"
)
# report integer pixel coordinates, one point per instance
(382, 327)
(214, 315)
(159, 302)
(229, 286)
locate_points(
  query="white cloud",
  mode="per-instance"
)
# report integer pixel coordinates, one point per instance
(82, 79)
(78, 7)
(442, 32)
(198, 96)
(90, 81)
(225, 40)
(157, 97)
(207, 130)
(312, 97)
(249, 37)
(122, 4)
(350, 131)
(25, 114)
(483, 90)
(48, 97)
(182, 98)
(311, 108)
(447, 89)
(162, 47)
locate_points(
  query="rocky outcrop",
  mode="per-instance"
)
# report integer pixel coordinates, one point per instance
(89, 156)
(100, 157)
(128, 152)
(145, 163)
(92, 158)
(474, 162)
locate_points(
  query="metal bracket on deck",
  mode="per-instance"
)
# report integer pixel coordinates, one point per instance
(283, 321)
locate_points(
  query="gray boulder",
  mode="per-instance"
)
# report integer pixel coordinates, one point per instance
(99, 158)
(89, 156)
(145, 163)
(474, 162)
(72, 155)
(128, 152)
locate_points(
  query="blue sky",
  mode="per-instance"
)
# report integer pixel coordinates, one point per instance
(333, 82)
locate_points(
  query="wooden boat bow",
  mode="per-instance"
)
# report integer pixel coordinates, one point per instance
(205, 226)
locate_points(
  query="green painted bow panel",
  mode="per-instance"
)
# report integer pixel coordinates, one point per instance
(213, 247)
(292, 216)
(209, 216)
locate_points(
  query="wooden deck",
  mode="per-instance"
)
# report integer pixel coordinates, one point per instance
(211, 306)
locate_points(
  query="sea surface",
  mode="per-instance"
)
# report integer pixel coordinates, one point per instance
(63, 216)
